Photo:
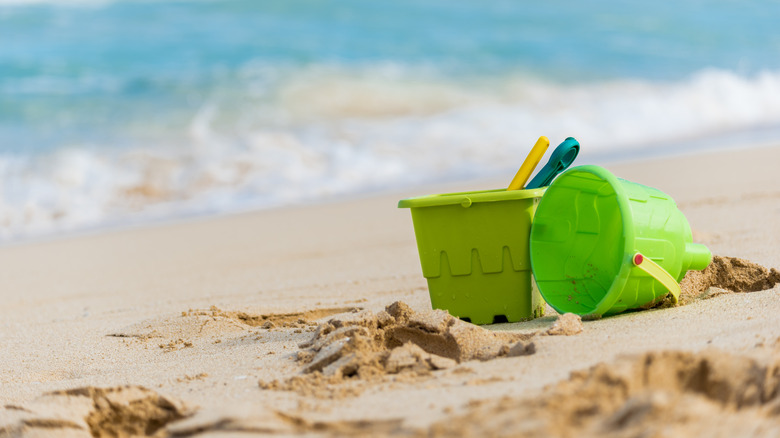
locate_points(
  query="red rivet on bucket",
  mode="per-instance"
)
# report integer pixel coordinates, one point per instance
(638, 259)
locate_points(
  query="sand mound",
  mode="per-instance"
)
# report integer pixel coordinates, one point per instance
(97, 412)
(656, 394)
(567, 324)
(396, 340)
(727, 275)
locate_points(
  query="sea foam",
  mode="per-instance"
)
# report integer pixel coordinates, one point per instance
(328, 131)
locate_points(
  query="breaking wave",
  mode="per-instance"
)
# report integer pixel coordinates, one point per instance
(326, 131)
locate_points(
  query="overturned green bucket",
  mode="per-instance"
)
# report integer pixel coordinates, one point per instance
(474, 253)
(601, 245)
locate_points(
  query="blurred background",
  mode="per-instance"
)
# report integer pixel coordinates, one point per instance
(130, 111)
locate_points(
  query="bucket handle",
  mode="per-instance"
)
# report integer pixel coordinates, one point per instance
(656, 271)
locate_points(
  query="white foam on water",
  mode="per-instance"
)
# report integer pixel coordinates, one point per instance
(323, 133)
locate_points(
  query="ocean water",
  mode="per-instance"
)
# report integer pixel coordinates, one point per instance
(118, 112)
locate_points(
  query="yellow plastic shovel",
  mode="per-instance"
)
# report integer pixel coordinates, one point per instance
(530, 163)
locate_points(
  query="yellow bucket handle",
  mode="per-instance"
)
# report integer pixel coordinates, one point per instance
(656, 271)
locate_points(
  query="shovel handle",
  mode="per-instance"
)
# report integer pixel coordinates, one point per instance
(530, 163)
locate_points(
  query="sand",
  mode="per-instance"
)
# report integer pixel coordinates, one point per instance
(727, 275)
(291, 322)
(668, 393)
(566, 325)
(97, 412)
(397, 340)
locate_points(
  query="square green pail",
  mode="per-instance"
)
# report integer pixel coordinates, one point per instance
(474, 253)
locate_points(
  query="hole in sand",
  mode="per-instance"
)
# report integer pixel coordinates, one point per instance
(100, 412)
(127, 411)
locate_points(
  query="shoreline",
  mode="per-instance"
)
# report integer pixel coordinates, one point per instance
(636, 155)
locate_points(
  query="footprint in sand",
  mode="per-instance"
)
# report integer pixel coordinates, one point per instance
(94, 412)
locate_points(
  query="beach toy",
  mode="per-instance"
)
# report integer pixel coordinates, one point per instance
(530, 163)
(600, 245)
(560, 159)
(473, 250)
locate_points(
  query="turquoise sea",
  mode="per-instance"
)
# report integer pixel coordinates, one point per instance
(117, 112)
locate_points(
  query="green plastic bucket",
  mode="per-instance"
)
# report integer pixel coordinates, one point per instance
(590, 235)
(474, 253)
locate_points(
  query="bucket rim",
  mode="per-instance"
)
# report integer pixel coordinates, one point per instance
(612, 294)
(468, 198)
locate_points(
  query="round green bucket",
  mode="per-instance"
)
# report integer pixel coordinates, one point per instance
(589, 238)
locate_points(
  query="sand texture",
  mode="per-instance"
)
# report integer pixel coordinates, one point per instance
(397, 340)
(666, 393)
(316, 321)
